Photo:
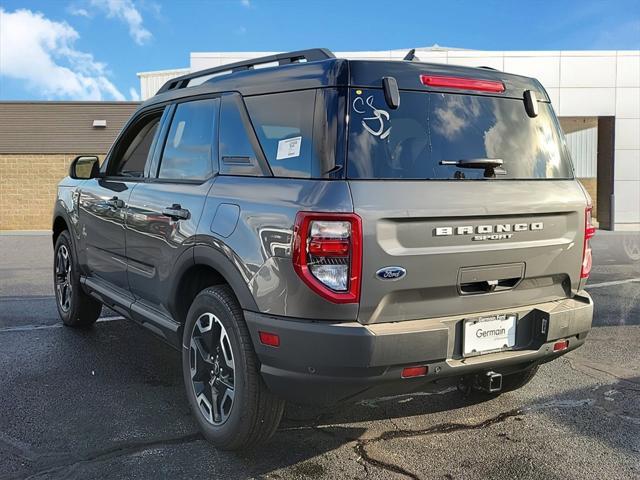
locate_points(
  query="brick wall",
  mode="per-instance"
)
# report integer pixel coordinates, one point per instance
(28, 189)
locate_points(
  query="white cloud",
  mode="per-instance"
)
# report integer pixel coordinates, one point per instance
(133, 93)
(246, 3)
(41, 52)
(78, 12)
(126, 11)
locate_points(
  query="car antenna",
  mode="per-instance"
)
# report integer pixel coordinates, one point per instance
(411, 56)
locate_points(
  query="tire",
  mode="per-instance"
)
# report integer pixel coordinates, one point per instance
(75, 307)
(518, 380)
(219, 364)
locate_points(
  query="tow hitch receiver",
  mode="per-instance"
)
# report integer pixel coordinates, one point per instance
(489, 382)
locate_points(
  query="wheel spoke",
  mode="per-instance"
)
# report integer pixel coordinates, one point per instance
(200, 361)
(215, 396)
(225, 348)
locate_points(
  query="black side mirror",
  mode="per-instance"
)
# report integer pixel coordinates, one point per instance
(84, 167)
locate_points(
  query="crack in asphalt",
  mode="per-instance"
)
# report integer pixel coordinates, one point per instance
(361, 450)
(365, 457)
(575, 364)
(76, 460)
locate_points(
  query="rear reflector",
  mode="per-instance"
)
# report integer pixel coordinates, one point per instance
(462, 83)
(410, 372)
(269, 339)
(561, 345)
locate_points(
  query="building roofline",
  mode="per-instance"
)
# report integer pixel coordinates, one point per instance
(161, 72)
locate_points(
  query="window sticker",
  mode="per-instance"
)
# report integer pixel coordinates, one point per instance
(379, 117)
(289, 148)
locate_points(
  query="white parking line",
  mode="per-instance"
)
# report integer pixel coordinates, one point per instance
(612, 283)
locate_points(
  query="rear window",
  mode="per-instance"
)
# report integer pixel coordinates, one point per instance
(427, 128)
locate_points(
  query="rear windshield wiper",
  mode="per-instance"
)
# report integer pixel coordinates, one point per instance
(491, 166)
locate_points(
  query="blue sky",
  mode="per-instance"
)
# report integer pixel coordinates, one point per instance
(92, 49)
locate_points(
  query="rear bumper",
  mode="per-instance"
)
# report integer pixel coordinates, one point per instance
(323, 363)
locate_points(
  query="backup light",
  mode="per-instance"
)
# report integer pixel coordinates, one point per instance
(462, 83)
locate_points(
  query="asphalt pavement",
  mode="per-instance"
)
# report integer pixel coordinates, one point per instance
(108, 402)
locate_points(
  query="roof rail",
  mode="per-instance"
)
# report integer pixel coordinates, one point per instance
(311, 55)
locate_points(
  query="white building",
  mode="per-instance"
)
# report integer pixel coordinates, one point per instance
(596, 94)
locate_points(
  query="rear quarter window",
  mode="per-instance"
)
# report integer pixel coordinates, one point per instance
(284, 125)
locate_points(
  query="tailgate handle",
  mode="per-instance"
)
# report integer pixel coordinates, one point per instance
(489, 279)
(488, 286)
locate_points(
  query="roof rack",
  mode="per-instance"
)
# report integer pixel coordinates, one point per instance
(311, 55)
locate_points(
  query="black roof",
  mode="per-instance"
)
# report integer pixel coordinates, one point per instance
(319, 68)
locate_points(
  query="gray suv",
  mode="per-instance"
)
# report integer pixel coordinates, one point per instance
(319, 230)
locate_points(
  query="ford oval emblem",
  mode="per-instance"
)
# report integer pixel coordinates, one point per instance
(391, 273)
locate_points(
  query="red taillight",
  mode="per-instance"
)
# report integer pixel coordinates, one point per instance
(462, 83)
(327, 254)
(329, 248)
(589, 232)
(410, 372)
(269, 339)
(561, 345)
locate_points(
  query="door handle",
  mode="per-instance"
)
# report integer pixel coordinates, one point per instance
(115, 202)
(176, 212)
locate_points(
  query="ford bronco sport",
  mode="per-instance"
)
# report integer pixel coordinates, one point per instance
(323, 230)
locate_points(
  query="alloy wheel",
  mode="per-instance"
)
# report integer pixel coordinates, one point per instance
(212, 368)
(63, 278)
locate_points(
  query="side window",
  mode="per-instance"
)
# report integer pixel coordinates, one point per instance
(134, 156)
(187, 153)
(284, 125)
(237, 156)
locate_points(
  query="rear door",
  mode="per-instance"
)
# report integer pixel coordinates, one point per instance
(163, 212)
(469, 239)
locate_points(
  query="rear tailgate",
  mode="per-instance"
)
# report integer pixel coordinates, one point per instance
(467, 247)
(470, 190)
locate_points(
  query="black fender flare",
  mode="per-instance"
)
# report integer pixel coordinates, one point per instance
(214, 258)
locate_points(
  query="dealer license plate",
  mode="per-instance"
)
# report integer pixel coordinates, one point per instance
(489, 334)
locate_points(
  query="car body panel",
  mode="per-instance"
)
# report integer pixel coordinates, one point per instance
(103, 228)
(155, 240)
(401, 231)
(260, 244)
